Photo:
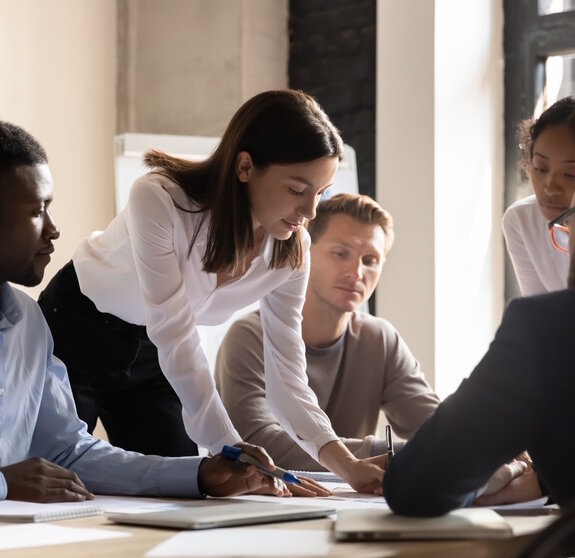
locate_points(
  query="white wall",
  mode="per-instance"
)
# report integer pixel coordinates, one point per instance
(469, 152)
(440, 174)
(58, 81)
(59, 65)
(405, 162)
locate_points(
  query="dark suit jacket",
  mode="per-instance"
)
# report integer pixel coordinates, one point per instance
(521, 396)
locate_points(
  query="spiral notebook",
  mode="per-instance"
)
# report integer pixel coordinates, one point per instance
(32, 512)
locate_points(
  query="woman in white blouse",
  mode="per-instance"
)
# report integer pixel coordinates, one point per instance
(196, 242)
(548, 150)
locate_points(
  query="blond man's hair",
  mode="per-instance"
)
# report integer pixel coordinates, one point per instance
(363, 208)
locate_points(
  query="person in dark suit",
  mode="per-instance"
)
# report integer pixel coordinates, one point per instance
(519, 397)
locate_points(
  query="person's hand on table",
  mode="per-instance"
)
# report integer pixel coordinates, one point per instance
(363, 475)
(503, 476)
(523, 488)
(366, 475)
(218, 476)
(39, 480)
(308, 487)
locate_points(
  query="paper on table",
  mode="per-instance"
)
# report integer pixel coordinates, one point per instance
(135, 504)
(537, 503)
(339, 501)
(43, 534)
(14, 510)
(320, 476)
(241, 542)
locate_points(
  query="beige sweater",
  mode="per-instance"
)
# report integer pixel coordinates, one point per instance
(369, 368)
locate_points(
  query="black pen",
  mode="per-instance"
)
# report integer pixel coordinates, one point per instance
(389, 442)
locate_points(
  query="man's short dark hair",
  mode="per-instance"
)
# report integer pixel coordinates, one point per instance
(18, 147)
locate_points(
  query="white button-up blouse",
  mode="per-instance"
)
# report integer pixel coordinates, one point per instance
(139, 270)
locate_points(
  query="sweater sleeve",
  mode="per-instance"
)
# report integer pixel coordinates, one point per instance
(407, 398)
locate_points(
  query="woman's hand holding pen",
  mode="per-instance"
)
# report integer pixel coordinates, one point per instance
(363, 475)
(366, 475)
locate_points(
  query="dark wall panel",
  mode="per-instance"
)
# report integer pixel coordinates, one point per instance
(332, 57)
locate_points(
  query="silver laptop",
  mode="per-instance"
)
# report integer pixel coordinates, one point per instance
(220, 512)
(375, 524)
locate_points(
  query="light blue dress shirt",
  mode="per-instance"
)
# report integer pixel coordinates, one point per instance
(38, 417)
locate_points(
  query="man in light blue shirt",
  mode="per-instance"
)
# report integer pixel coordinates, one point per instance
(46, 453)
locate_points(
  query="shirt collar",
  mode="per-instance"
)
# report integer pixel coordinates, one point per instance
(10, 310)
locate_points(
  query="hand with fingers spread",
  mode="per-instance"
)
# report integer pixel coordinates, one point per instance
(309, 488)
(39, 480)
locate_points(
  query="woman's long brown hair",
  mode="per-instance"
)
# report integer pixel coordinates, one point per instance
(274, 127)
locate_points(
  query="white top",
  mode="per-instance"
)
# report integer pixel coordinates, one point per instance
(538, 265)
(139, 270)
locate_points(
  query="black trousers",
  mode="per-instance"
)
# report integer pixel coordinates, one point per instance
(114, 372)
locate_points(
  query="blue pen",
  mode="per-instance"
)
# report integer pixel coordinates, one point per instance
(236, 454)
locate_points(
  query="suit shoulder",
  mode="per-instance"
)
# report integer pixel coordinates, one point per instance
(563, 300)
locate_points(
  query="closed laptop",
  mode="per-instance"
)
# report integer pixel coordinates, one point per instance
(375, 524)
(212, 513)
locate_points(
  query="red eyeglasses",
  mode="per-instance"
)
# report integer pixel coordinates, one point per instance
(559, 230)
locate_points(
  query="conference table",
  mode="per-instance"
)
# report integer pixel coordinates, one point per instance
(144, 539)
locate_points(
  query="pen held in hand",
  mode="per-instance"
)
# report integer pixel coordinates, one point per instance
(389, 442)
(236, 454)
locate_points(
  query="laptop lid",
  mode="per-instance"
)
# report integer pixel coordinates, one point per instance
(374, 524)
(213, 513)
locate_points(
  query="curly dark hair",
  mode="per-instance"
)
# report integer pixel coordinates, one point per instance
(18, 147)
(560, 113)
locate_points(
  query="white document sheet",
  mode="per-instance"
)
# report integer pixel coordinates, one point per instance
(43, 534)
(135, 504)
(242, 542)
